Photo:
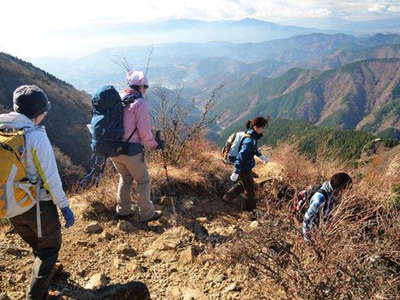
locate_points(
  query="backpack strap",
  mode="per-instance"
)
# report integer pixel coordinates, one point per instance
(324, 193)
(133, 132)
(245, 136)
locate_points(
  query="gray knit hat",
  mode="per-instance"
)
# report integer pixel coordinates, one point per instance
(30, 101)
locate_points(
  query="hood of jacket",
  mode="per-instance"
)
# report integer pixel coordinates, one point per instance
(15, 120)
(327, 188)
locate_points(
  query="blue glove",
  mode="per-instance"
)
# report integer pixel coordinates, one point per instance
(68, 216)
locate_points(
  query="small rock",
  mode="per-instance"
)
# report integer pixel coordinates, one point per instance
(94, 228)
(232, 287)
(106, 236)
(15, 295)
(254, 224)
(126, 250)
(126, 226)
(187, 256)
(97, 281)
(202, 220)
(149, 253)
(220, 278)
(136, 267)
(185, 293)
(21, 277)
(118, 263)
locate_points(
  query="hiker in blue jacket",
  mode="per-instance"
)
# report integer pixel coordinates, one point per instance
(323, 201)
(245, 163)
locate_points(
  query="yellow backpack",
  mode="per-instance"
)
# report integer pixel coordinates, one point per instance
(16, 191)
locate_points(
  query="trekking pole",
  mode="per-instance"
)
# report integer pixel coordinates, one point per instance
(165, 165)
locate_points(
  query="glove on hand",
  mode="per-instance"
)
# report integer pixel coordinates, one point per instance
(161, 145)
(234, 177)
(68, 216)
(264, 159)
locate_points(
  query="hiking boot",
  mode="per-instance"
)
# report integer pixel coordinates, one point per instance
(226, 199)
(157, 215)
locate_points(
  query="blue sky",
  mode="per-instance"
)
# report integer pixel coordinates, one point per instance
(45, 25)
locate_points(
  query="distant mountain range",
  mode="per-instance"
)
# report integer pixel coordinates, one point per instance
(391, 25)
(364, 95)
(334, 80)
(172, 64)
(66, 122)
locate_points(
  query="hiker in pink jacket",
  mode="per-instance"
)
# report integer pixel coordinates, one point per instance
(132, 166)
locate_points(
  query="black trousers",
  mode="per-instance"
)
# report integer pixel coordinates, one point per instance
(246, 184)
(44, 249)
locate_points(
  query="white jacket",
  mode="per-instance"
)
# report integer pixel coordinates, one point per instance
(39, 158)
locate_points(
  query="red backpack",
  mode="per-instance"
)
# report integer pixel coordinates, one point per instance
(301, 200)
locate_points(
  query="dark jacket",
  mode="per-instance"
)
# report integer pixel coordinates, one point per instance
(245, 159)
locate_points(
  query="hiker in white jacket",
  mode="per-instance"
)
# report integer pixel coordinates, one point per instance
(39, 158)
(42, 232)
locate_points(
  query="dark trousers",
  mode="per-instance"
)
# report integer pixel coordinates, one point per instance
(245, 184)
(44, 249)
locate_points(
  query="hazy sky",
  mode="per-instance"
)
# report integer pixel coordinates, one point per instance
(43, 27)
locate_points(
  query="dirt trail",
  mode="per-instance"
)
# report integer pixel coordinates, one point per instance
(172, 256)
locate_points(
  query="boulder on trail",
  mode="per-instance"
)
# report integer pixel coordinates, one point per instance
(172, 239)
(94, 228)
(134, 290)
(126, 226)
(97, 281)
(187, 256)
(126, 250)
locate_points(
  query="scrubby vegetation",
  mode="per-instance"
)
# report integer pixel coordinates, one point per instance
(344, 145)
(236, 255)
(354, 256)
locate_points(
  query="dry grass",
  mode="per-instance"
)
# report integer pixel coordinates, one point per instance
(354, 256)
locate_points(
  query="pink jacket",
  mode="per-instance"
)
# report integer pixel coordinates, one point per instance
(137, 115)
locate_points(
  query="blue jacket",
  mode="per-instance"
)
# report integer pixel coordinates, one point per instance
(319, 203)
(245, 159)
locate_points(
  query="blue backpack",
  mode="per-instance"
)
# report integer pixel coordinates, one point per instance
(107, 125)
(107, 129)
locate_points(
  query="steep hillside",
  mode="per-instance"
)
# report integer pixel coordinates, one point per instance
(207, 249)
(240, 97)
(346, 98)
(66, 122)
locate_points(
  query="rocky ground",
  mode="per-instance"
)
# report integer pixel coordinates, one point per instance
(173, 256)
(211, 250)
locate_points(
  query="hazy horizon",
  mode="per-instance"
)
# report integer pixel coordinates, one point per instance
(51, 29)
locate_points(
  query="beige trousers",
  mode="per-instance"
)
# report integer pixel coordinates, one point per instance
(133, 168)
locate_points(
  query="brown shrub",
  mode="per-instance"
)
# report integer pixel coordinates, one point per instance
(353, 256)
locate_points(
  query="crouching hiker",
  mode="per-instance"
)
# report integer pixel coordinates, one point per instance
(323, 200)
(131, 165)
(30, 185)
(246, 148)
